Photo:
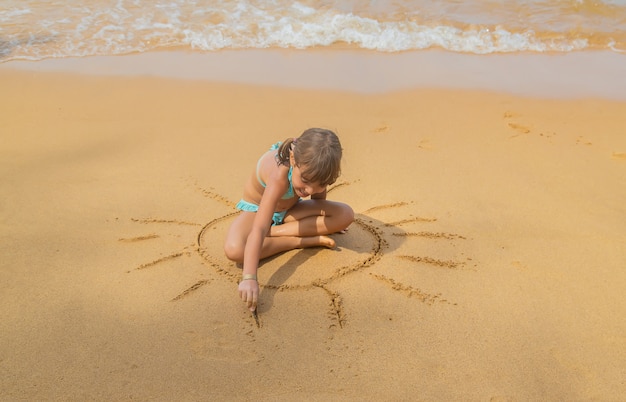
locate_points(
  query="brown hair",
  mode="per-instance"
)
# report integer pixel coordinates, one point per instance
(317, 151)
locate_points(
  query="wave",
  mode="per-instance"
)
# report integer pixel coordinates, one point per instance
(37, 30)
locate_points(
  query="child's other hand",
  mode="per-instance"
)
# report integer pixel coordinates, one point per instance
(249, 293)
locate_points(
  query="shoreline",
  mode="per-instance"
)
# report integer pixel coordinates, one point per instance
(588, 74)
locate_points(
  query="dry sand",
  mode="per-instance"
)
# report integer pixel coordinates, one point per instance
(486, 264)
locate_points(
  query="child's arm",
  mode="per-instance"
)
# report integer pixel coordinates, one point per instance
(249, 288)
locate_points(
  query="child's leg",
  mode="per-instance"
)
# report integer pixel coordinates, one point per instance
(275, 245)
(314, 218)
(239, 230)
(237, 235)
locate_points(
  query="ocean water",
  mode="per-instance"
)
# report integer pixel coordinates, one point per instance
(43, 29)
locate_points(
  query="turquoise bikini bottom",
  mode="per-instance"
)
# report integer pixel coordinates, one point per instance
(277, 218)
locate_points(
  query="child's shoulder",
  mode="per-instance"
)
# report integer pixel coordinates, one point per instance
(270, 168)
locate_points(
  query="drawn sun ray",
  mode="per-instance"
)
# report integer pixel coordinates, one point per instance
(410, 291)
(172, 221)
(410, 220)
(298, 270)
(139, 238)
(431, 235)
(433, 261)
(164, 259)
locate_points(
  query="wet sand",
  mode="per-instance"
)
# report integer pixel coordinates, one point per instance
(486, 262)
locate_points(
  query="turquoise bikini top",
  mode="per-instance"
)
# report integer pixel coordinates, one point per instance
(289, 193)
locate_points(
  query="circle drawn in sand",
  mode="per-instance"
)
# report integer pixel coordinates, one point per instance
(304, 269)
(300, 268)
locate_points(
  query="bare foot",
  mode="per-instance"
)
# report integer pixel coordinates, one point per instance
(317, 241)
(327, 242)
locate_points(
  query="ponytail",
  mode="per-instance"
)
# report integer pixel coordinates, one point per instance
(282, 156)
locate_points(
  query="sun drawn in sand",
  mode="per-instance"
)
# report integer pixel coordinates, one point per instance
(298, 270)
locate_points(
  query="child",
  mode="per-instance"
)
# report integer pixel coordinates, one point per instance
(274, 217)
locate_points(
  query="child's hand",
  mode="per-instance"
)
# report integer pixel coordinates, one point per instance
(249, 292)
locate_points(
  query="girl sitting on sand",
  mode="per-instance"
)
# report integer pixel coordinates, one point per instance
(274, 217)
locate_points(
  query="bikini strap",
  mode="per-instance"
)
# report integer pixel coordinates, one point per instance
(258, 164)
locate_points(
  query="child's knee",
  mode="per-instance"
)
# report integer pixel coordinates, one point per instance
(346, 215)
(233, 252)
(350, 214)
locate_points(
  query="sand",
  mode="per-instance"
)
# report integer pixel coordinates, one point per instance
(486, 262)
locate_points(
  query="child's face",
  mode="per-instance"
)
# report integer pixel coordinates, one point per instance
(303, 187)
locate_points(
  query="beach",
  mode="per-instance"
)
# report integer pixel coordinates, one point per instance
(485, 262)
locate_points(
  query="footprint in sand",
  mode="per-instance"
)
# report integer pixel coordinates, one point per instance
(619, 156)
(383, 128)
(519, 128)
(361, 248)
(522, 129)
(424, 144)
